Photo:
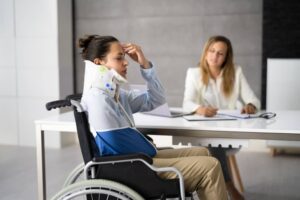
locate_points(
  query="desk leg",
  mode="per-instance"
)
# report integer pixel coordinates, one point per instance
(40, 156)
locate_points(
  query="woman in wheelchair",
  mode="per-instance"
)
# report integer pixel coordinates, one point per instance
(110, 108)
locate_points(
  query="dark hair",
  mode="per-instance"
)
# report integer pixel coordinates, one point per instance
(95, 46)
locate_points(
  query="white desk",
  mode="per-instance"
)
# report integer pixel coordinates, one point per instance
(286, 126)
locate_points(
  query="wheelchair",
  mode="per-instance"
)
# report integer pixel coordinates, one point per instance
(124, 177)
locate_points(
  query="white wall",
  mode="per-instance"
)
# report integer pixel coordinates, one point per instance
(283, 86)
(31, 66)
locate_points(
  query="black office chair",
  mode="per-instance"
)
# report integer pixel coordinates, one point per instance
(115, 177)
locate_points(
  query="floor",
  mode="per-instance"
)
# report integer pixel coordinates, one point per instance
(264, 177)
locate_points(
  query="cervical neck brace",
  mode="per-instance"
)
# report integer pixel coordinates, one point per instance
(118, 78)
(101, 77)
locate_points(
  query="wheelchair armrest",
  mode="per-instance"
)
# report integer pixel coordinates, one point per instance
(75, 97)
(57, 104)
(124, 157)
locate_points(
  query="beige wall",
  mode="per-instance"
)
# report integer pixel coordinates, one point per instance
(172, 34)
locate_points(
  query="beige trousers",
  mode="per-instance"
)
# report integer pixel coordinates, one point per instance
(202, 173)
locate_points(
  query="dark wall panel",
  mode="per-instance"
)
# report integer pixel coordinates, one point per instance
(281, 33)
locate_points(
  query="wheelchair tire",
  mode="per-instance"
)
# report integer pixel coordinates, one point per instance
(75, 175)
(109, 190)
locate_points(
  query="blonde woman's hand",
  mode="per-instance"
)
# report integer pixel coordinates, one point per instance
(249, 109)
(207, 111)
(135, 53)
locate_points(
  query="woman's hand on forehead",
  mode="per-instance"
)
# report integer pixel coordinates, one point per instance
(135, 53)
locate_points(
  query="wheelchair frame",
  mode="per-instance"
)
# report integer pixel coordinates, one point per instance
(93, 162)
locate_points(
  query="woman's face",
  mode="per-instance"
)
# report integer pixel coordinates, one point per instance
(216, 54)
(115, 59)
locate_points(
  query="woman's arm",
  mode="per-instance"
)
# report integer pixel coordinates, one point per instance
(113, 134)
(192, 93)
(150, 99)
(252, 104)
(155, 95)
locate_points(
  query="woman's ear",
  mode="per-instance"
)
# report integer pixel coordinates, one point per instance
(99, 61)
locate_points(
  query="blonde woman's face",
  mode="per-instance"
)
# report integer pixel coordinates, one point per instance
(216, 54)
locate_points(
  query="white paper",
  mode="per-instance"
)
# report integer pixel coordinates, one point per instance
(236, 114)
(203, 118)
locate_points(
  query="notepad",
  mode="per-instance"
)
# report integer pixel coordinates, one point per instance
(229, 115)
(203, 118)
(237, 114)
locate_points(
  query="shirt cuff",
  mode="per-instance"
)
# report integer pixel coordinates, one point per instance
(149, 72)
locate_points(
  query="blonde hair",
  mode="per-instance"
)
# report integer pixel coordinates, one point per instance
(227, 67)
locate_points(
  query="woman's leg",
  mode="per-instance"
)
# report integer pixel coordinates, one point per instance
(220, 154)
(201, 173)
(182, 152)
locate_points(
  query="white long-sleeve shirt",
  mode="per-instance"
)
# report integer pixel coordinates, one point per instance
(198, 94)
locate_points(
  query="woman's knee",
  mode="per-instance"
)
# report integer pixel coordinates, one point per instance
(201, 151)
(215, 162)
(211, 163)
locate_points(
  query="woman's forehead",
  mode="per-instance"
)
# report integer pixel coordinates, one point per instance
(219, 44)
(116, 47)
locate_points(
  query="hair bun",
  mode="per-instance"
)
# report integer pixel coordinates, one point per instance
(95, 46)
(85, 41)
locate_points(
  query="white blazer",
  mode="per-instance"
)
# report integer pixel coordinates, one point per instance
(197, 94)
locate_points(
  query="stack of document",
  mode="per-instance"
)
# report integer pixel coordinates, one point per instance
(221, 115)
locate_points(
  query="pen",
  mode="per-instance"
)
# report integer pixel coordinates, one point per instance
(246, 115)
(206, 103)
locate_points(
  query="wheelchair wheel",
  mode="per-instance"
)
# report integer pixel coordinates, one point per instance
(97, 189)
(75, 175)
